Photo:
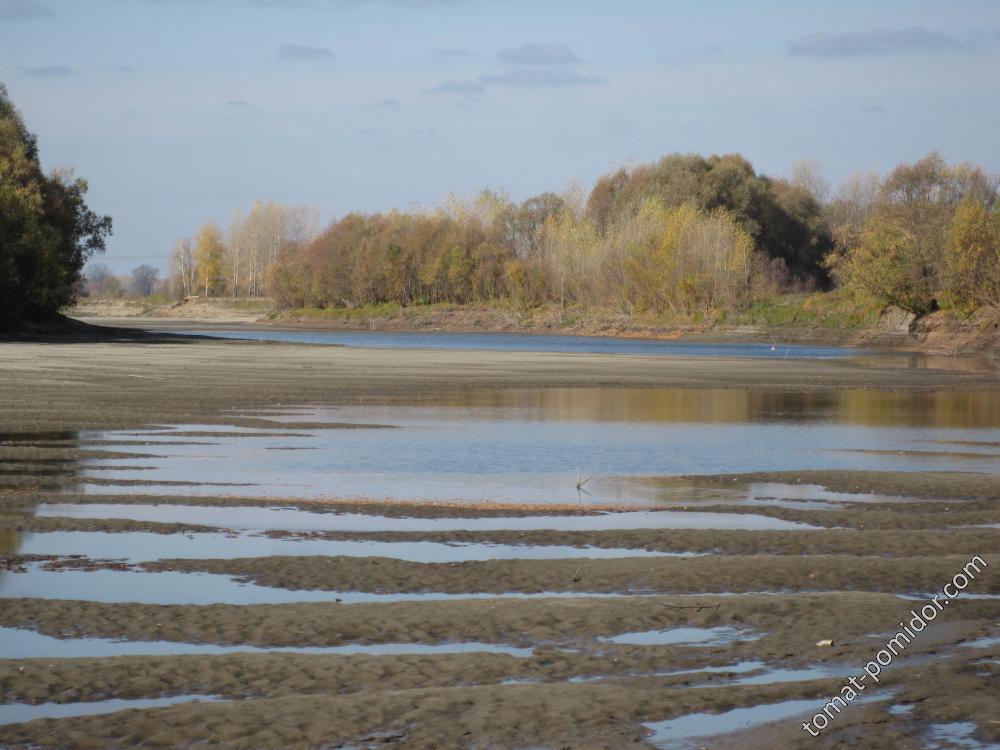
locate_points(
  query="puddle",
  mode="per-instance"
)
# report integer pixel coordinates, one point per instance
(759, 674)
(18, 713)
(743, 666)
(683, 636)
(141, 547)
(774, 676)
(902, 709)
(962, 595)
(691, 730)
(290, 519)
(954, 735)
(16, 643)
(677, 734)
(117, 587)
(989, 642)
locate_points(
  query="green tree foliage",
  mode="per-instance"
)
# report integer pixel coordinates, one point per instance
(927, 236)
(686, 235)
(46, 230)
(208, 255)
(887, 265)
(679, 259)
(972, 259)
(783, 220)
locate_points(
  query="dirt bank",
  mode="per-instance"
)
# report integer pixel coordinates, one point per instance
(796, 319)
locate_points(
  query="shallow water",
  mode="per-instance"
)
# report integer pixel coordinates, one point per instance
(690, 731)
(172, 587)
(955, 735)
(683, 636)
(774, 676)
(142, 547)
(256, 518)
(531, 343)
(986, 642)
(535, 445)
(760, 674)
(677, 734)
(17, 643)
(17, 713)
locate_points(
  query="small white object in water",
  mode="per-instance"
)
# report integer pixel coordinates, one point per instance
(824, 643)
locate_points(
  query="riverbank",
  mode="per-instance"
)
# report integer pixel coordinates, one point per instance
(828, 319)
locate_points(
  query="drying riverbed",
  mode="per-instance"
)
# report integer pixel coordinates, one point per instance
(276, 544)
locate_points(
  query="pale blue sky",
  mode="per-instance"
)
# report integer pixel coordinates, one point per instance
(178, 111)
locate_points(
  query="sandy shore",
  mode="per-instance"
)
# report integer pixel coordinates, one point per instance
(838, 580)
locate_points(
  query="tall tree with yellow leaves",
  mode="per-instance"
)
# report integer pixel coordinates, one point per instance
(209, 252)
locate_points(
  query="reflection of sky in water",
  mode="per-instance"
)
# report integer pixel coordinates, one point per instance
(683, 732)
(514, 342)
(250, 518)
(16, 713)
(114, 586)
(530, 445)
(16, 643)
(142, 547)
(688, 636)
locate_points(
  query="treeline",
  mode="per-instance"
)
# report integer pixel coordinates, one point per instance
(926, 236)
(686, 235)
(239, 262)
(678, 258)
(46, 230)
(143, 281)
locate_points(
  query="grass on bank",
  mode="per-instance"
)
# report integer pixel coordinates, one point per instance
(837, 310)
(840, 309)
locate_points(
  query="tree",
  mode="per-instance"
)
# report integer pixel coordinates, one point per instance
(888, 265)
(100, 281)
(47, 232)
(785, 226)
(854, 203)
(972, 261)
(209, 252)
(808, 176)
(144, 279)
(183, 268)
(256, 239)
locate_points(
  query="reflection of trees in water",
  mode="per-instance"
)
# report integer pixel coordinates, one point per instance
(10, 541)
(945, 408)
(32, 462)
(968, 409)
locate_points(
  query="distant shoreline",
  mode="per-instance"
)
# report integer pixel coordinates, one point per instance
(938, 333)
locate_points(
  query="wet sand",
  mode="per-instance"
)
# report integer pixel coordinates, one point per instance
(838, 580)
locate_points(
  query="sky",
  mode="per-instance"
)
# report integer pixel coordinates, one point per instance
(181, 111)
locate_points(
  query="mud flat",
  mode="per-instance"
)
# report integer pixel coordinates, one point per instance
(683, 609)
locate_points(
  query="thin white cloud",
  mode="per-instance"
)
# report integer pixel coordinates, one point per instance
(292, 51)
(517, 78)
(49, 71)
(535, 53)
(876, 42)
(530, 77)
(463, 88)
